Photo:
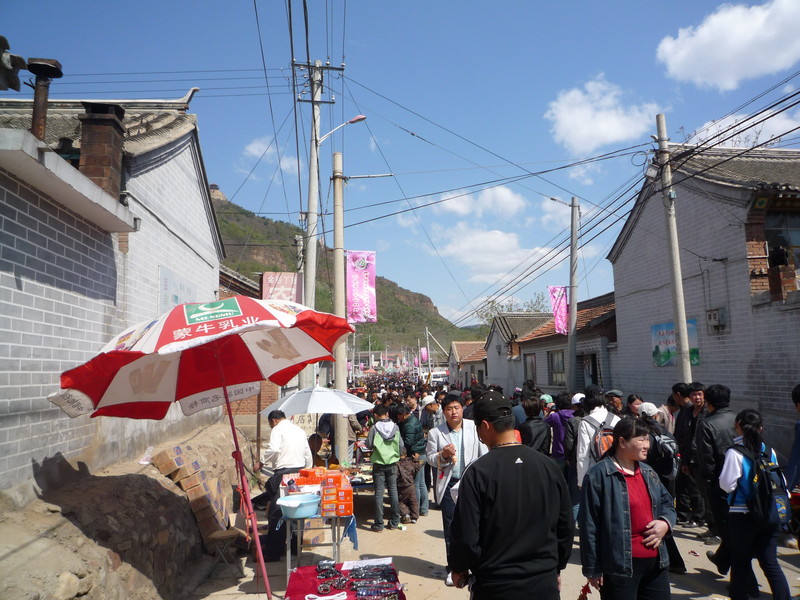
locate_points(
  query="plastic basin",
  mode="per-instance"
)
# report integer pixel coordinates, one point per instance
(299, 506)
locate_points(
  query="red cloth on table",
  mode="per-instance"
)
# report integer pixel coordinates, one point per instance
(303, 580)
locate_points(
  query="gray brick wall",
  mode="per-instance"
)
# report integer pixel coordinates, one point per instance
(715, 275)
(65, 289)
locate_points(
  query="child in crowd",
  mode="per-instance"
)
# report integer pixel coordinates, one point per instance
(387, 446)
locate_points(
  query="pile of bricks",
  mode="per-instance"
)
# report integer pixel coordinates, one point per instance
(205, 495)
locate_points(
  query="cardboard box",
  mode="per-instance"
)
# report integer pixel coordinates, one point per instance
(201, 496)
(167, 455)
(193, 480)
(169, 465)
(211, 524)
(344, 495)
(190, 468)
(344, 509)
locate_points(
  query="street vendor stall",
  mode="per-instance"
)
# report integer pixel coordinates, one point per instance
(376, 578)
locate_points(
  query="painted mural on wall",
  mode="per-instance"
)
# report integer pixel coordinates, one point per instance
(665, 348)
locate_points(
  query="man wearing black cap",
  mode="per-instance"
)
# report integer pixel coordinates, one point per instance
(513, 526)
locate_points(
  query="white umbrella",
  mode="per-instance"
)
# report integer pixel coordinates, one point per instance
(320, 400)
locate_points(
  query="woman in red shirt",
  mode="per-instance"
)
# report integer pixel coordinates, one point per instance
(624, 515)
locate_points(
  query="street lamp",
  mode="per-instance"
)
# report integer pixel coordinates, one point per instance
(307, 378)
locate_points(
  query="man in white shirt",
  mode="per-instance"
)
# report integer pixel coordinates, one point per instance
(286, 452)
(596, 414)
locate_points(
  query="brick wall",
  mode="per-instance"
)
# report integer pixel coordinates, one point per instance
(716, 274)
(65, 289)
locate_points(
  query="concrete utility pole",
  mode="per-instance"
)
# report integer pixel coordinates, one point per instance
(339, 309)
(572, 340)
(307, 375)
(678, 307)
(428, 348)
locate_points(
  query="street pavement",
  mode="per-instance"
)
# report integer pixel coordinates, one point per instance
(418, 553)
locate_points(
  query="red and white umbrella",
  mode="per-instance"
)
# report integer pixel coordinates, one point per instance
(202, 356)
(195, 353)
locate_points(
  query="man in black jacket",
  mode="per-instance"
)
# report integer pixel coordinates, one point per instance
(512, 527)
(713, 437)
(685, 427)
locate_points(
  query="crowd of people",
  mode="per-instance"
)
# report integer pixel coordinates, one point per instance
(513, 475)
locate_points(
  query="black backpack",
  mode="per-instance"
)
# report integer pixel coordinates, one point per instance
(769, 503)
(665, 456)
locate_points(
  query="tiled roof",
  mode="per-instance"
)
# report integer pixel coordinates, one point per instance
(463, 349)
(513, 325)
(149, 124)
(753, 168)
(588, 311)
(477, 356)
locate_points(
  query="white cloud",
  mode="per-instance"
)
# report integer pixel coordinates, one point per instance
(554, 214)
(261, 147)
(747, 135)
(587, 118)
(488, 254)
(734, 43)
(500, 201)
(583, 173)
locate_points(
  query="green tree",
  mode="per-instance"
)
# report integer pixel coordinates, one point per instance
(489, 310)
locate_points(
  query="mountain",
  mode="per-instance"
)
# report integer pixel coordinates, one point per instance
(256, 244)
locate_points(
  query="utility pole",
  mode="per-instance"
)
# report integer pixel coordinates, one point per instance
(678, 306)
(307, 375)
(572, 340)
(340, 352)
(428, 348)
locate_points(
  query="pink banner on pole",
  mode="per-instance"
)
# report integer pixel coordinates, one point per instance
(423, 354)
(416, 361)
(558, 302)
(360, 275)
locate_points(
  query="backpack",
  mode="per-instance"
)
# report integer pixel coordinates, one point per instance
(603, 436)
(769, 502)
(385, 452)
(666, 457)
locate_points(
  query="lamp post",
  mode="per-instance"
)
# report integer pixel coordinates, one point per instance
(307, 378)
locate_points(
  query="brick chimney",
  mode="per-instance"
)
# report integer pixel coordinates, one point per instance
(102, 136)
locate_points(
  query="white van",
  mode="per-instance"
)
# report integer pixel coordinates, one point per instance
(438, 377)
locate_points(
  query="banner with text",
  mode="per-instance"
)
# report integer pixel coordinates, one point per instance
(282, 286)
(360, 276)
(558, 303)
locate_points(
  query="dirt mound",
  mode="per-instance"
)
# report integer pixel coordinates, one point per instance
(126, 532)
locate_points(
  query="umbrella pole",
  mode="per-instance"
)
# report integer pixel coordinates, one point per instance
(250, 513)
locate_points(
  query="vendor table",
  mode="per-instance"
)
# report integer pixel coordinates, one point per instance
(303, 581)
(297, 527)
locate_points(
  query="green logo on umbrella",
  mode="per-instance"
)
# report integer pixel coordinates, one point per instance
(212, 311)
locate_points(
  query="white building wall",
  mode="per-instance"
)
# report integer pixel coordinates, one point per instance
(715, 275)
(502, 370)
(64, 290)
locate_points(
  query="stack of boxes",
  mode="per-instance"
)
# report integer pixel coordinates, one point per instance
(337, 495)
(205, 495)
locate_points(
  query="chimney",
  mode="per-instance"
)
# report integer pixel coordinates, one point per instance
(102, 137)
(45, 69)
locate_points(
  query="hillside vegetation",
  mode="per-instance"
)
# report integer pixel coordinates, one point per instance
(256, 244)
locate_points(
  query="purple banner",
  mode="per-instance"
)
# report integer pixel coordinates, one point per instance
(360, 274)
(558, 302)
(423, 354)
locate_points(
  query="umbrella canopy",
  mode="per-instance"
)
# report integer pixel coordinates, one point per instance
(320, 400)
(192, 352)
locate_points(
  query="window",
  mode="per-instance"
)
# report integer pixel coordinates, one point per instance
(555, 360)
(782, 230)
(530, 367)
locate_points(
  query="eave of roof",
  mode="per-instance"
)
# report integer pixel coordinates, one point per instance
(591, 313)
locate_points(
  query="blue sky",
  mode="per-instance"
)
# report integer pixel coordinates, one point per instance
(457, 95)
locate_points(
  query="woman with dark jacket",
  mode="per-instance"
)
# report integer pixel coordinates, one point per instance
(749, 536)
(625, 513)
